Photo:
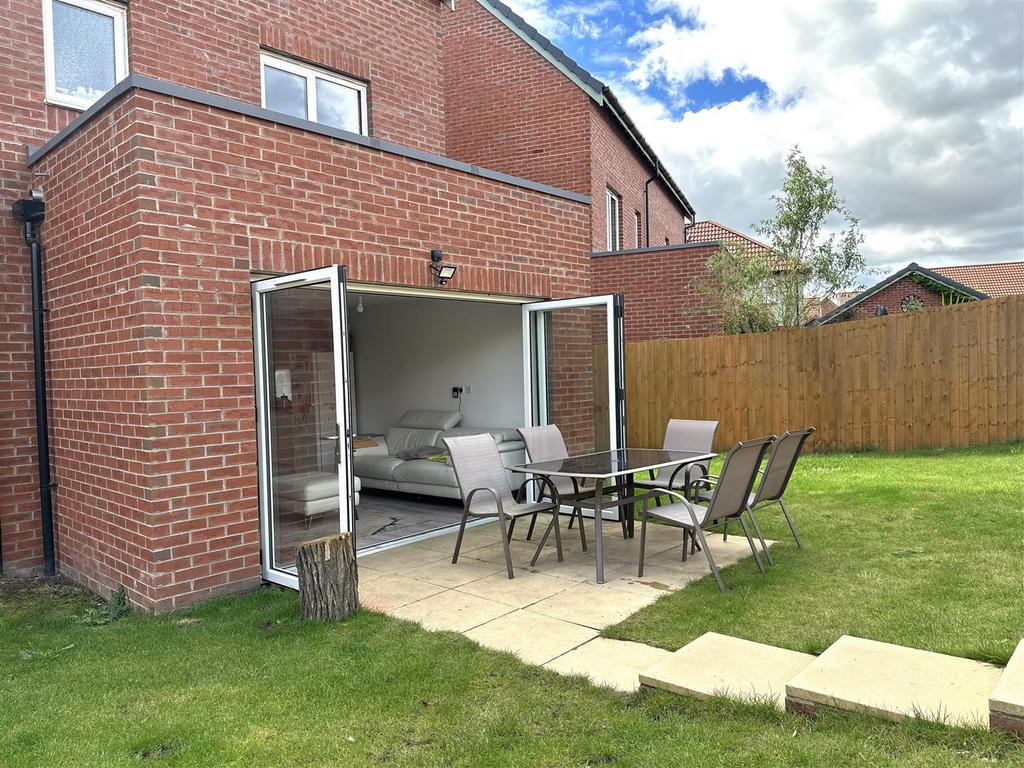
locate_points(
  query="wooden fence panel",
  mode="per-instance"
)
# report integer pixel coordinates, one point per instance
(949, 376)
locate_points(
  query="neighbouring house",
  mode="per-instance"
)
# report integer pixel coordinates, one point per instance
(916, 287)
(284, 244)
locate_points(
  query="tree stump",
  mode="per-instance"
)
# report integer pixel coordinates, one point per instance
(328, 579)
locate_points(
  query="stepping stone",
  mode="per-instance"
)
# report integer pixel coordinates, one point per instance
(894, 682)
(1006, 704)
(611, 663)
(720, 665)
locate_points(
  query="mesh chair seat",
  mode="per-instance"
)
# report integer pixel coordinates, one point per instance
(661, 482)
(483, 505)
(679, 514)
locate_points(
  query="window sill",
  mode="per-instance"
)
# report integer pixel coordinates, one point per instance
(76, 106)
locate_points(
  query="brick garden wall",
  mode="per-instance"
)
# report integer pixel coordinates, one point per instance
(657, 284)
(211, 196)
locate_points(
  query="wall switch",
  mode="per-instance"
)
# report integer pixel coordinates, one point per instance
(467, 389)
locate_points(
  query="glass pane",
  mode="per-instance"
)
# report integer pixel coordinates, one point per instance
(83, 52)
(303, 423)
(571, 386)
(338, 106)
(284, 91)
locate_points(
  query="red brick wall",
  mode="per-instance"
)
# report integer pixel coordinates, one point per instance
(617, 165)
(660, 301)
(152, 348)
(507, 107)
(892, 296)
(215, 46)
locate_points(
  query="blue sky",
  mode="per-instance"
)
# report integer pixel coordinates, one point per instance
(916, 109)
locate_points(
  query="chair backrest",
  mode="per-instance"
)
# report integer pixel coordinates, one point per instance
(785, 452)
(690, 435)
(544, 443)
(477, 464)
(736, 479)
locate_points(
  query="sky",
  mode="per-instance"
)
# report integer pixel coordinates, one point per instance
(916, 109)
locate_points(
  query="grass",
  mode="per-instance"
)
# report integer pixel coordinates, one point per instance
(241, 682)
(921, 549)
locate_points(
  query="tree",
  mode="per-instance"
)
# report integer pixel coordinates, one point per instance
(806, 262)
(755, 291)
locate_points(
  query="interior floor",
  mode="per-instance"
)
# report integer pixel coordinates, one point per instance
(386, 516)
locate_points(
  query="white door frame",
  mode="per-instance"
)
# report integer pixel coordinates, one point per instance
(612, 304)
(333, 279)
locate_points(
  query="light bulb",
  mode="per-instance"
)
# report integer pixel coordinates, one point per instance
(359, 306)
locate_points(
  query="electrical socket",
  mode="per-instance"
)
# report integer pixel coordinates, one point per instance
(456, 393)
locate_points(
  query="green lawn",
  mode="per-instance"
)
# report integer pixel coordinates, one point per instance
(924, 549)
(242, 682)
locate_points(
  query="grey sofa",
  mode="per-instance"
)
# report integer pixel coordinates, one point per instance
(380, 467)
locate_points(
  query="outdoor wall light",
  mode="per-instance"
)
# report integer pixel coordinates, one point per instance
(442, 272)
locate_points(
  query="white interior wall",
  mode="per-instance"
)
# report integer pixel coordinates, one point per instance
(410, 352)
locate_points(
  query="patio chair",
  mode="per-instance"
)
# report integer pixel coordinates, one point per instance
(782, 460)
(682, 435)
(546, 444)
(482, 479)
(729, 497)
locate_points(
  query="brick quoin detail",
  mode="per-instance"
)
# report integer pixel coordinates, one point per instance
(152, 374)
(660, 301)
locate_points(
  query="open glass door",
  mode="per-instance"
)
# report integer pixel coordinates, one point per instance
(303, 432)
(574, 371)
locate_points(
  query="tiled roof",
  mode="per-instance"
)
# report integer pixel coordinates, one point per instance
(704, 231)
(1002, 279)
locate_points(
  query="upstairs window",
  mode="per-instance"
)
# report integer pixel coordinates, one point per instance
(85, 48)
(636, 218)
(613, 219)
(313, 94)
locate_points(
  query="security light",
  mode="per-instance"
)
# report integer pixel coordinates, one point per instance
(442, 272)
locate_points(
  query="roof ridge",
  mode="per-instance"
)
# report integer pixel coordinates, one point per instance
(981, 264)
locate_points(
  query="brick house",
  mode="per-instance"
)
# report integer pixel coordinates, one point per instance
(249, 211)
(916, 287)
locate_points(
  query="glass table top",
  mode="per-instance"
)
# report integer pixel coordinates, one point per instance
(613, 463)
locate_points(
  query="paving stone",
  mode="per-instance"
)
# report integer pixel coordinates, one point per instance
(399, 560)
(895, 682)
(611, 663)
(593, 605)
(452, 611)
(447, 574)
(387, 591)
(1006, 703)
(720, 665)
(534, 638)
(525, 589)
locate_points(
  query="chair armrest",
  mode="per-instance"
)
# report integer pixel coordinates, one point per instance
(556, 498)
(494, 495)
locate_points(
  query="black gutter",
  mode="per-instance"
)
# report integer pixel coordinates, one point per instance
(30, 214)
(647, 207)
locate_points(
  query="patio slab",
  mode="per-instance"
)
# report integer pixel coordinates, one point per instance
(894, 682)
(445, 574)
(1006, 703)
(386, 591)
(401, 559)
(525, 589)
(534, 638)
(593, 605)
(612, 663)
(720, 665)
(451, 611)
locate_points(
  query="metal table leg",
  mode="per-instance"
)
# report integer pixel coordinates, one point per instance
(599, 543)
(629, 508)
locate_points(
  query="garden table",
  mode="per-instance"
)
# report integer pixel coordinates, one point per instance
(619, 467)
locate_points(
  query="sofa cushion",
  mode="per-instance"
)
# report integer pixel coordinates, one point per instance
(423, 419)
(307, 486)
(506, 438)
(425, 472)
(401, 439)
(375, 466)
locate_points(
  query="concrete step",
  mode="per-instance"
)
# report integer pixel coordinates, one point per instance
(894, 682)
(1006, 704)
(720, 665)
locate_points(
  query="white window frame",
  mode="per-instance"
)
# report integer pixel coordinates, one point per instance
(613, 223)
(311, 73)
(115, 12)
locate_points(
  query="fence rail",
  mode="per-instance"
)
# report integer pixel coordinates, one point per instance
(949, 376)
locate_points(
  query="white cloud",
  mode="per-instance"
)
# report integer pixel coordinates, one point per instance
(916, 109)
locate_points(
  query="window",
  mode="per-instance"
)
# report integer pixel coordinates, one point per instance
(639, 241)
(85, 49)
(613, 219)
(313, 94)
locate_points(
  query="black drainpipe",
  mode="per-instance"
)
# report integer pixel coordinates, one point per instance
(647, 203)
(30, 214)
